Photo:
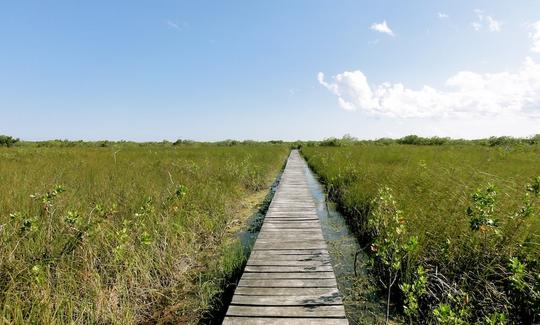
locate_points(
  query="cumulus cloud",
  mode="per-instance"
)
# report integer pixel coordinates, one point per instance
(382, 28)
(466, 94)
(483, 20)
(535, 36)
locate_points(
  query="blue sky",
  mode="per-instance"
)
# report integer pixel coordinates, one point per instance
(208, 70)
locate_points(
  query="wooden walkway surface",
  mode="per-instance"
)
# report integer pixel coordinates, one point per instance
(288, 278)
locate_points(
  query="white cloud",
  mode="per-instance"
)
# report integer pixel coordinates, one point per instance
(535, 36)
(382, 28)
(466, 94)
(476, 25)
(172, 24)
(442, 15)
(479, 13)
(178, 26)
(493, 25)
(489, 22)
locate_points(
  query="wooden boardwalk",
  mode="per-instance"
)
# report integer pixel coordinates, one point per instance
(288, 278)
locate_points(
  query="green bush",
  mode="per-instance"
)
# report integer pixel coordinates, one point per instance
(417, 140)
(7, 141)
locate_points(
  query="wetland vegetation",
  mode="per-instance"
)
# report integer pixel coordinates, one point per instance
(452, 227)
(124, 233)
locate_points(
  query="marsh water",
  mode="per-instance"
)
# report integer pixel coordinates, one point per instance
(247, 239)
(362, 300)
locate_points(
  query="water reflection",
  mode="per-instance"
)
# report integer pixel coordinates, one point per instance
(363, 303)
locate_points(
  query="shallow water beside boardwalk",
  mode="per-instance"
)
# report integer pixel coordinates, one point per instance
(363, 303)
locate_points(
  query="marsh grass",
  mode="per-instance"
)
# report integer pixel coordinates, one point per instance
(123, 234)
(467, 274)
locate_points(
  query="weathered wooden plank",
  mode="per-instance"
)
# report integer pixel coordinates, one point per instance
(300, 244)
(268, 262)
(293, 197)
(272, 235)
(292, 224)
(277, 236)
(334, 299)
(293, 208)
(291, 275)
(290, 257)
(303, 214)
(294, 241)
(291, 232)
(231, 320)
(310, 239)
(287, 245)
(292, 251)
(289, 226)
(297, 210)
(297, 218)
(287, 311)
(288, 283)
(300, 240)
(255, 291)
(294, 205)
(285, 227)
(293, 229)
(273, 219)
(293, 221)
(294, 202)
(290, 214)
(325, 268)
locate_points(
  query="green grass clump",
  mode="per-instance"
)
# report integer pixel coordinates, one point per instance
(453, 230)
(122, 233)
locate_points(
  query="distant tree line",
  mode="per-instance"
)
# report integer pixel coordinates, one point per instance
(346, 140)
(426, 141)
(62, 143)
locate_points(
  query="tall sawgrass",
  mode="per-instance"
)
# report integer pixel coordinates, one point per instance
(453, 271)
(123, 234)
